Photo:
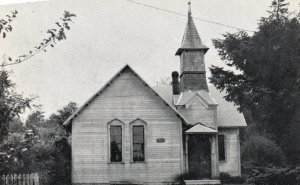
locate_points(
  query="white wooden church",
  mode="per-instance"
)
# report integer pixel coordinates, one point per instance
(131, 133)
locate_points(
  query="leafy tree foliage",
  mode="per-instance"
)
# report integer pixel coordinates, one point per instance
(266, 87)
(54, 35)
(62, 156)
(12, 104)
(35, 119)
(272, 175)
(47, 151)
(16, 126)
(5, 25)
(226, 178)
(260, 151)
(63, 114)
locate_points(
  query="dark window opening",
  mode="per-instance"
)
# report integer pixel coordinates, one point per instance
(116, 143)
(138, 143)
(221, 145)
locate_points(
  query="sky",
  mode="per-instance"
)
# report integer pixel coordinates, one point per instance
(106, 35)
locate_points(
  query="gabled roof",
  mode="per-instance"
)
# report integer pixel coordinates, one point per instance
(200, 129)
(78, 111)
(185, 97)
(227, 113)
(191, 39)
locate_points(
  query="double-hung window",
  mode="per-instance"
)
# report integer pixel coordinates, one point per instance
(116, 143)
(138, 150)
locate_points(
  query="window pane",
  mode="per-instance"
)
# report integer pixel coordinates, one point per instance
(221, 145)
(119, 147)
(137, 147)
(138, 143)
(115, 130)
(138, 139)
(138, 156)
(119, 131)
(116, 143)
(112, 139)
(118, 139)
(138, 130)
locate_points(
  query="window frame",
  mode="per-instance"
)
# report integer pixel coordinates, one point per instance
(225, 148)
(143, 142)
(115, 122)
(138, 122)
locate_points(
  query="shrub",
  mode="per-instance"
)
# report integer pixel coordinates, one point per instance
(274, 176)
(12, 141)
(260, 151)
(179, 179)
(16, 126)
(228, 179)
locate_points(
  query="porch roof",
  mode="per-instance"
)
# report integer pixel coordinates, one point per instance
(200, 129)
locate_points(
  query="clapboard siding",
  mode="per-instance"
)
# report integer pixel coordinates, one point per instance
(197, 112)
(126, 99)
(232, 165)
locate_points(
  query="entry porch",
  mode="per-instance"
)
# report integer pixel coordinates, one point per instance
(200, 156)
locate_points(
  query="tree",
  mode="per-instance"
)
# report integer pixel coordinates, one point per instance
(47, 151)
(16, 126)
(54, 35)
(35, 119)
(63, 114)
(62, 157)
(5, 26)
(12, 104)
(268, 61)
(260, 151)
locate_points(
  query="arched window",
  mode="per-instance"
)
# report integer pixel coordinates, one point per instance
(138, 140)
(116, 140)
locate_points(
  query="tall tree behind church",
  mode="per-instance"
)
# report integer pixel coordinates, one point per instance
(268, 85)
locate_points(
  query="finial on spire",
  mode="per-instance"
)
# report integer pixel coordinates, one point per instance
(190, 12)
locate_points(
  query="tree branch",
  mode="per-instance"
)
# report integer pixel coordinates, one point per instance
(55, 34)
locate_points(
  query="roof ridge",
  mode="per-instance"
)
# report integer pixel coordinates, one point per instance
(201, 96)
(76, 113)
(205, 125)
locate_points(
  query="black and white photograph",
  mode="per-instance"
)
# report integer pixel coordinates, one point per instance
(150, 92)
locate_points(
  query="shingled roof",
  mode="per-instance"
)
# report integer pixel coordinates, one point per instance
(191, 39)
(185, 97)
(227, 113)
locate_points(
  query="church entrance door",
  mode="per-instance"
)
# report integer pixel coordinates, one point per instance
(199, 156)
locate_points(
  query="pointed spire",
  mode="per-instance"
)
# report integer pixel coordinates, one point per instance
(190, 11)
(191, 39)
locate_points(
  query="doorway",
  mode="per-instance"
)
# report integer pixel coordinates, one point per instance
(199, 156)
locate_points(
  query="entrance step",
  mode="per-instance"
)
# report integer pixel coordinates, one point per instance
(202, 182)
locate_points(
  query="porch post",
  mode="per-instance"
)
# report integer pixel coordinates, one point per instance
(214, 159)
(186, 154)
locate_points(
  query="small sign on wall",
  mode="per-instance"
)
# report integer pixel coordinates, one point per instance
(160, 140)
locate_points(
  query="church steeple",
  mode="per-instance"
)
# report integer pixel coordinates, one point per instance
(191, 39)
(192, 64)
(190, 11)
